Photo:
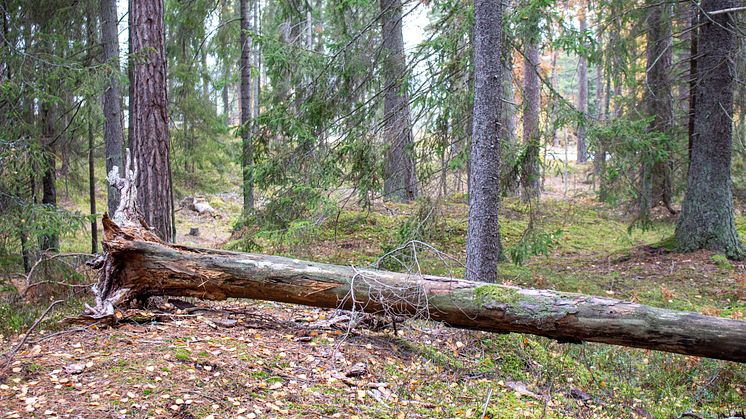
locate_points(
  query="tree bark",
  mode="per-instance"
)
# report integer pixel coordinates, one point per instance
(256, 57)
(582, 90)
(205, 77)
(599, 156)
(483, 237)
(5, 70)
(90, 42)
(149, 124)
(225, 16)
(247, 155)
(531, 136)
(599, 88)
(693, 57)
(400, 178)
(707, 220)
(226, 100)
(553, 105)
(112, 97)
(130, 75)
(50, 241)
(138, 265)
(617, 68)
(510, 175)
(655, 184)
(92, 188)
(48, 117)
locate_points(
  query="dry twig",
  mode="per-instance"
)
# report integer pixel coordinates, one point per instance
(9, 355)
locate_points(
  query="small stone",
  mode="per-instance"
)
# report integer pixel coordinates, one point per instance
(74, 368)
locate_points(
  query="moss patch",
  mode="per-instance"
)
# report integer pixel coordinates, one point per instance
(486, 294)
(721, 261)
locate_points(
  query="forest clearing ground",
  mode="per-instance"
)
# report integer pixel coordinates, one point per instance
(274, 362)
(277, 361)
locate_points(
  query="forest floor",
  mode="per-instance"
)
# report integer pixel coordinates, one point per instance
(258, 359)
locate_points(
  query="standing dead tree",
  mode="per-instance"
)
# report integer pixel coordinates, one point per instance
(137, 265)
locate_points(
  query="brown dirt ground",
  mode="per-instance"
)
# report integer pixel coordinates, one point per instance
(273, 362)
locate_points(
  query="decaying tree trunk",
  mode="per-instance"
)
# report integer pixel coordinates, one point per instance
(137, 264)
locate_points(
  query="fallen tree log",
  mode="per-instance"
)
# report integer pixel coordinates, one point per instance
(138, 265)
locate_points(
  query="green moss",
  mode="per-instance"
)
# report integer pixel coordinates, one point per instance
(741, 225)
(34, 367)
(433, 354)
(260, 375)
(182, 354)
(496, 294)
(721, 261)
(669, 243)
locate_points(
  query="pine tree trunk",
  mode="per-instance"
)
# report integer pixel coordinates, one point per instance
(49, 241)
(90, 42)
(599, 155)
(612, 75)
(130, 76)
(149, 124)
(247, 155)
(5, 70)
(256, 57)
(555, 85)
(28, 113)
(531, 136)
(92, 188)
(224, 18)
(693, 76)
(509, 177)
(400, 179)
(205, 76)
(582, 91)
(656, 173)
(599, 91)
(508, 111)
(112, 97)
(48, 117)
(483, 237)
(707, 219)
(617, 66)
(49, 178)
(226, 99)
